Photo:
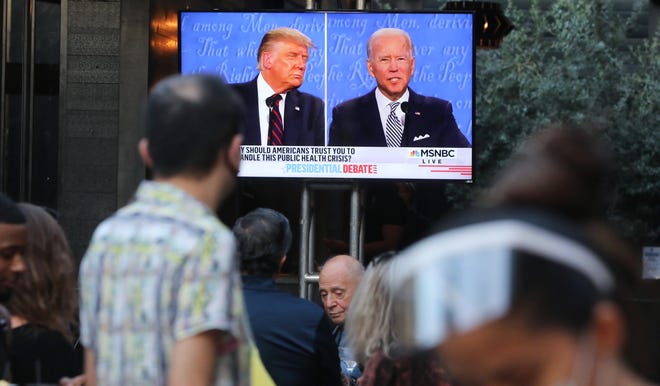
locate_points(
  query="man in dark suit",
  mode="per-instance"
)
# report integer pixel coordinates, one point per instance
(282, 60)
(393, 115)
(293, 335)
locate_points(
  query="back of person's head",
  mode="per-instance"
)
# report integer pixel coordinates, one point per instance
(9, 211)
(264, 238)
(369, 324)
(420, 369)
(45, 294)
(565, 168)
(190, 121)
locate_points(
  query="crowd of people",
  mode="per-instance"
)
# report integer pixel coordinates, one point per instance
(525, 289)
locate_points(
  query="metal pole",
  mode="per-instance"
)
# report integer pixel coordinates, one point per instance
(30, 97)
(304, 239)
(25, 163)
(64, 50)
(354, 244)
(311, 246)
(361, 236)
(359, 4)
(307, 274)
(4, 132)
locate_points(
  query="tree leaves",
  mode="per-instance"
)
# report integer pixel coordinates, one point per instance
(574, 61)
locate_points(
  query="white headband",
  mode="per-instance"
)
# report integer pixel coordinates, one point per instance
(459, 279)
(509, 234)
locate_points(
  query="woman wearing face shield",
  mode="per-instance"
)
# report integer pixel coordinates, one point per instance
(528, 292)
(513, 297)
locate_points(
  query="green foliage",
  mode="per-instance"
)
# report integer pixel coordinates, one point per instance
(573, 61)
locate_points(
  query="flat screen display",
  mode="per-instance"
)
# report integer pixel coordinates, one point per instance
(335, 125)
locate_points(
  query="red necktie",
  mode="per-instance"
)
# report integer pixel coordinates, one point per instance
(275, 127)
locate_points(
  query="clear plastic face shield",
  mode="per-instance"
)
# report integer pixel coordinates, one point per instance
(458, 280)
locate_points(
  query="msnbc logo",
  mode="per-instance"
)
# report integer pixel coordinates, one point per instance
(433, 153)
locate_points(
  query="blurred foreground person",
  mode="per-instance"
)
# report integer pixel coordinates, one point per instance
(568, 169)
(514, 297)
(372, 335)
(293, 335)
(44, 305)
(564, 168)
(161, 301)
(529, 292)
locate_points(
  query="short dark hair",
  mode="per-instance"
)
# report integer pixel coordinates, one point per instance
(189, 120)
(263, 236)
(9, 211)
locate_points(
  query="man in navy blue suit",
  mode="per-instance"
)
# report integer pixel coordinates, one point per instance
(293, 335)
(393, 115)
(282, 60)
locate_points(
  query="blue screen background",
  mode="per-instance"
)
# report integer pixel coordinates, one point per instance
(226, 43)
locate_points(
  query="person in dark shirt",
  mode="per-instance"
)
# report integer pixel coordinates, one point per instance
(41, 355)
(43, 306)
(13, 240)
(293, 335)
(339, 277)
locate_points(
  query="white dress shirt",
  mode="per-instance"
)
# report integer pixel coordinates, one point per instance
(384, 108)
(264, 91)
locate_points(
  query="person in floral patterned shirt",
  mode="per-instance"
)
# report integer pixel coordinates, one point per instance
(161, 299)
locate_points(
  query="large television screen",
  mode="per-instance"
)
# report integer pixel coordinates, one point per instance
(340, 123)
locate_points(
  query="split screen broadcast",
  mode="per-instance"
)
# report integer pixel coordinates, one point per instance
(362, 111)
